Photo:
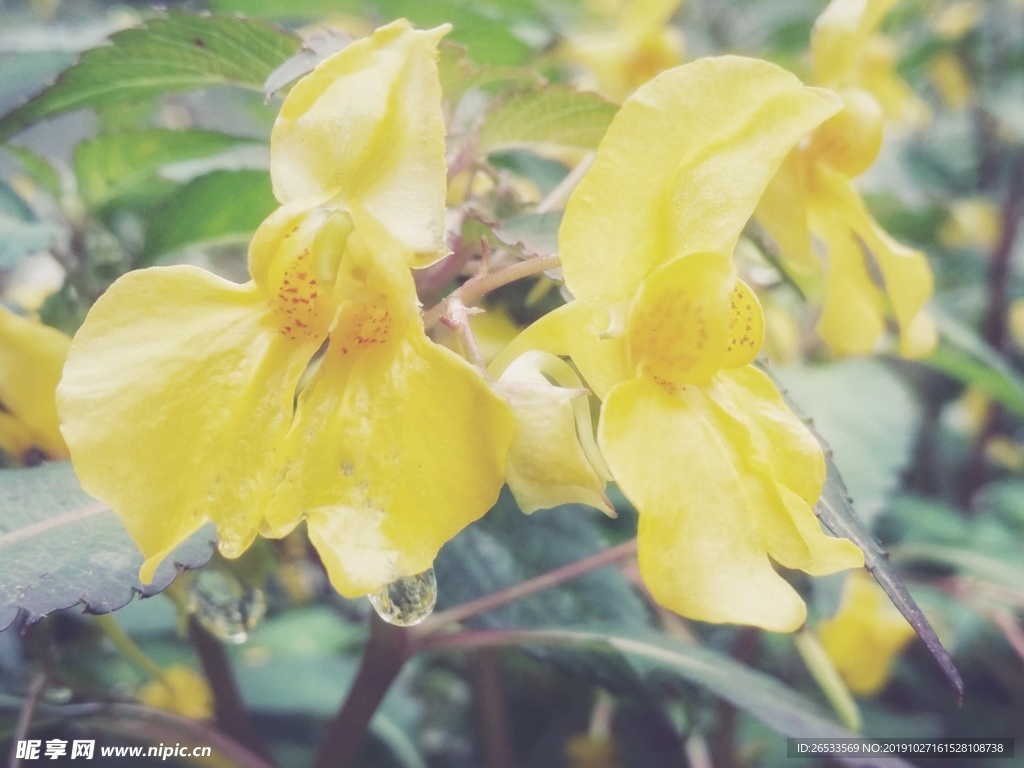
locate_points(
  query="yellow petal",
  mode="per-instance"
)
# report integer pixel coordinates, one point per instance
(905, 271)
(679, 323)
(548, 461)
(840, 34)
(852, 307)
(746, 327)
(700, 547)
(177, 392)
(180, 690)
(395, 448)
(587, 333)
(31, 358)
(864, 638)
(366, 125)
(782, 211)
(776, 451)
(850, 140)
(681, 169)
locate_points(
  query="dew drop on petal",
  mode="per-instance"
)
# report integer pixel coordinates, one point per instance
(407, 601)
(227, 608)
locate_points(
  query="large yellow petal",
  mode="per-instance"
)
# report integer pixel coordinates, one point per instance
(681, 169)
(31, 358)
(775, 451)
(700, 546)
(367, 125)
(394, 450)
(177, 394)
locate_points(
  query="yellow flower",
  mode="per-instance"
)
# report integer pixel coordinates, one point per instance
(865, 636)
(181, 401)
(722, 473)
(638, 44)
(180, 690)
(813, 195)
(31, 358)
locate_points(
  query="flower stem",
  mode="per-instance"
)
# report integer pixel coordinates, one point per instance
(387, 649)
(518, 591)
(229, 709)
(477, 287)
(24, 724)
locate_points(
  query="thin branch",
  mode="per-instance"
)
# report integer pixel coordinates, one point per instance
(21, 730)
(229, 709)
(477, 287)
(995, 324)
(387, 649)
(493, 719)
(518, 591)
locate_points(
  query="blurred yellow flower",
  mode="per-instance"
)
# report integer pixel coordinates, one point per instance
(972, 223)
(722, 473)
(31, 358)
(812, 198)
(866, 635)
(637, 43)
(951, 80)
(181, 401)
(180, 690)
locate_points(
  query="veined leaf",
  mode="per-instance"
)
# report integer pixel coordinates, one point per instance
(178, 52)
(220, 207)
(59, 548)
(556, 115)
(116, 164)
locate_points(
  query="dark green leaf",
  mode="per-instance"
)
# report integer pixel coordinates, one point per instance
(780, 708)
(180, 52)
(118, 164)
(555, 115)
(507, 547)
(220, 207)
(59, 548)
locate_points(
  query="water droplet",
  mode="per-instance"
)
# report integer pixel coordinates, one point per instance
(226, 607)
(407, 601)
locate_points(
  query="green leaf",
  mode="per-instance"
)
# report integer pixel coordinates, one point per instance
(115, 165)
(777, 706)
(506, 547)
(556, 115)
(39, 168)
(177, 53)
(21, 231)
(492, 31)
(59, 548)
(220, 207)
(535, 233)
(964, 356)
(868, 417)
